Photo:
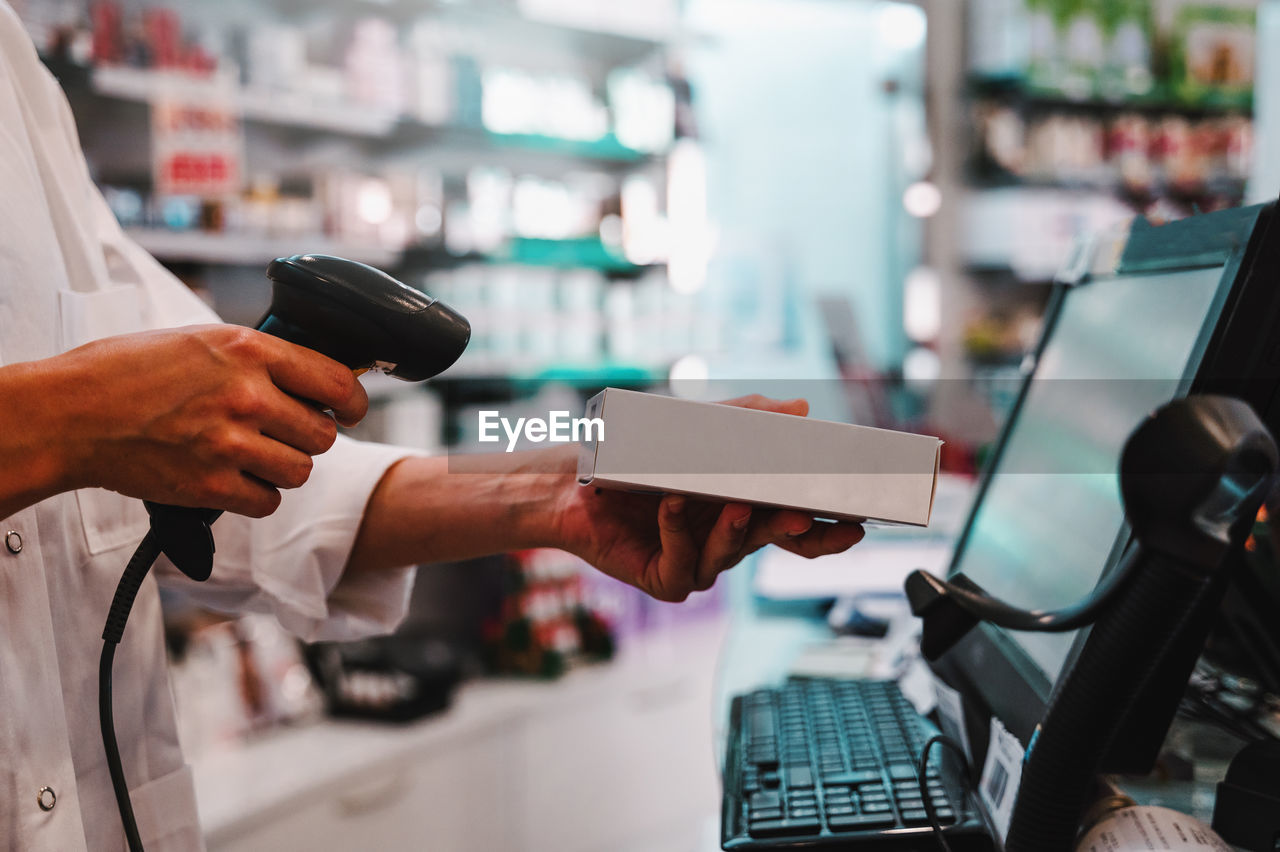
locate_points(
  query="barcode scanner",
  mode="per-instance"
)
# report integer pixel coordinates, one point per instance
(354, 314)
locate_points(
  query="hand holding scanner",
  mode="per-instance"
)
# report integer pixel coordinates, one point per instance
(352, 313)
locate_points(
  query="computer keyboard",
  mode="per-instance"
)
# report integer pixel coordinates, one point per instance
(820, 762)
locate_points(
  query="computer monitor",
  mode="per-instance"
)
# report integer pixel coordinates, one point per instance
(1157, 313)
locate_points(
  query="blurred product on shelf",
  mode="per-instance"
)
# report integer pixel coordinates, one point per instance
(546, 623)
(385, 678)
(543, 317)
(1083, 113)
(560, 106)
(1002, 338)
(1212, 51)
(1141, 156)
(1028, 231)
(234, 679)
(433, 72)
(1144, 51)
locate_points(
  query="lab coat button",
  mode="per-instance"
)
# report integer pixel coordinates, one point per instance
(13, 541)
(46, 798)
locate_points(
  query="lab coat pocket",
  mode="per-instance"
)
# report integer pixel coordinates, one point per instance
(165, 810)
(110, 520)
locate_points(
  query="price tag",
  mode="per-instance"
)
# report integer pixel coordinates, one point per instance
(196, 139)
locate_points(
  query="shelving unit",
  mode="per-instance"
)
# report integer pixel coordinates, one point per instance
(292, 110)
(1039, 150)
(1018, 91)
(296, 138)
(280, 108)
(241, 250)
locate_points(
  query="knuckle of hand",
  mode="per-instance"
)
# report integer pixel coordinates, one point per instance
(247, 398)
(242, 341)
(229, 443)
(218, 490)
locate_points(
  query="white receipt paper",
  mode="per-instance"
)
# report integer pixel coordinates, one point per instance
(1149, 827)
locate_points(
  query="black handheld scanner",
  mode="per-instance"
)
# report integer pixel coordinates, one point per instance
(362, 317)
(354, 314)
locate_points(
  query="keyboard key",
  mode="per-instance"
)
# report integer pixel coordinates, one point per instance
(780, 827)
(915, 816)
(761, 723)
(770, 779)
(859, 777)
(799, 776)
(765, 800)
(901, 771)
(770, 813)
(860, 822)
(804, 813)
(875, 807)
(839, 810)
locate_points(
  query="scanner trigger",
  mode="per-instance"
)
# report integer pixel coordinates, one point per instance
(185, 536)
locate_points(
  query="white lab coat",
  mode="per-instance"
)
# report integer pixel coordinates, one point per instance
(67, 275)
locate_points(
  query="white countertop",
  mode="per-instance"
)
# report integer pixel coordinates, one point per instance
(243, 787)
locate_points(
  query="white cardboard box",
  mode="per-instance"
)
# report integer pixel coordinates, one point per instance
(722, 452)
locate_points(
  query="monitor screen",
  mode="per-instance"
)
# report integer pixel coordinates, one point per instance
(1051, 513)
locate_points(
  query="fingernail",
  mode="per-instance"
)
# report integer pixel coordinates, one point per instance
(675, 505)
(800, 531)
(741, 523)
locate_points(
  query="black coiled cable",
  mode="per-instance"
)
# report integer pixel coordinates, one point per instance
(126, 591)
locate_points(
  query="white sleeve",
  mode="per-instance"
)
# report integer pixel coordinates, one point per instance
(291, 563)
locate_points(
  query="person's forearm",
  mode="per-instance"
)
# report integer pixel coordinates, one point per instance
(32, 464)
(442, 509)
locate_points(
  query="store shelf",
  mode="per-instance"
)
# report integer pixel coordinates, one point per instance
(1016, 90)
(607, 44)
(566, 254)
(579, 253)
(480, 367)
(607, 40)
(1000, 275)
(291, 109)
(1232, 188)
(238, 250)
(476, 143)
(281, 108)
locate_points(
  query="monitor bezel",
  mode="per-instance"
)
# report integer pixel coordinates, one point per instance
(995, 676)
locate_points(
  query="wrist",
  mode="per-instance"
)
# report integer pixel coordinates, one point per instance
(36, 454)
(549, 497)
